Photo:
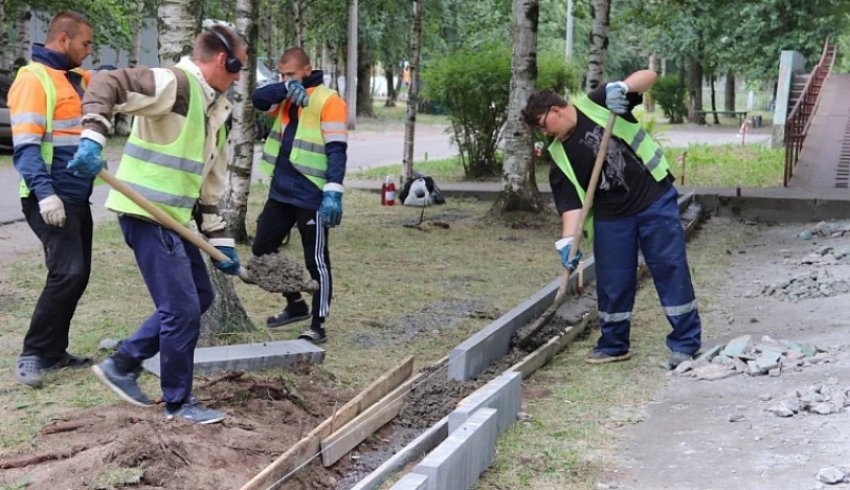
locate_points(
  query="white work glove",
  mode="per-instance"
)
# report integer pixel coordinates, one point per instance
(52, 210)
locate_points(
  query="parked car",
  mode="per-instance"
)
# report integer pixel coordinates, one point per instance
(5, 122)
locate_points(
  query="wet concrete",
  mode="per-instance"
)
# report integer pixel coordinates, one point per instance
(278, 273)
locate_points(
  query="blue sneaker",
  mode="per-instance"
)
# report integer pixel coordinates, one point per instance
(193, 411)
(123, 384)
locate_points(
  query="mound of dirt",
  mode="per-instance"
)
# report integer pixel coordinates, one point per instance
(118, 446)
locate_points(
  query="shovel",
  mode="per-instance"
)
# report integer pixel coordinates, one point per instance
(585, 209)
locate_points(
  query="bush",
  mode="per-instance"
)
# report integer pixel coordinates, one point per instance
(473, 87)
(671, 95)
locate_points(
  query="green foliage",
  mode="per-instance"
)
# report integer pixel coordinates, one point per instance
(472, 85)
(671, 95)
(553, 73)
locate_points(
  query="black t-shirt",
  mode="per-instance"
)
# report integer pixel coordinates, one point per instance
(625, 185)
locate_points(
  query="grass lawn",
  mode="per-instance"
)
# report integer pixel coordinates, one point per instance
(705, 166)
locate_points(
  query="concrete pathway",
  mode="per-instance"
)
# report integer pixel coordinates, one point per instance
(825, 157)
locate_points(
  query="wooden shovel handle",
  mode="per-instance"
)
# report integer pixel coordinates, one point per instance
(162, 217)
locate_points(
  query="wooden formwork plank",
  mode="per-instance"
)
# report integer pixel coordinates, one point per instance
(543, 354)
(348, 437)
(303, 450)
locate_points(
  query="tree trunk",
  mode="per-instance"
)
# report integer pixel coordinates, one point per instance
(243, 131)
(388, 74)
(412, 91)
(334, 57)
(695, 98)
(178, 24)
(714, 101)
(226, 315)
(351, 66)
(21, 47)
(600, 11)
(299, 7)
(5, 62)
(730, 91)
(648, 99)
(519, 187)
(364, 81)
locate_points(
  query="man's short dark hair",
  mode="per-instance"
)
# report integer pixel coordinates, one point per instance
(208, 45)
(295, 54)
(540, 102)
(68, 22)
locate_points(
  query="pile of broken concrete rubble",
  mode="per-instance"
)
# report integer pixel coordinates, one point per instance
(743, 355)
(818, 399)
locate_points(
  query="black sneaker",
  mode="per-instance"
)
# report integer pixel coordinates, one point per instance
(193, 411)
(123, 384)
(600, 357)
(287, 316)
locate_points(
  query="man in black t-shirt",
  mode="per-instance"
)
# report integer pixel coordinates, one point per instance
(634, 208)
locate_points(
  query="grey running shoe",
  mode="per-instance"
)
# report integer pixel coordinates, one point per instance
(599, 357)
(193, 411)
(28, 371)
(677, 358)
(123, 384)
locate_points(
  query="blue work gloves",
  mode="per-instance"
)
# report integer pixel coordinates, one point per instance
(330, 211)
(296, 92)
(563, 246)
(230, 266)
(615, 97)
(87, 161)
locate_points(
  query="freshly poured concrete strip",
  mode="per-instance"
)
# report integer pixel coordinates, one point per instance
(426, 441)
(248, 357)
(504, 394)
(411, 481)
(473, 355)
(458, 462)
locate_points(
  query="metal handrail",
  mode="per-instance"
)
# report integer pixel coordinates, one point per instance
(798, 122)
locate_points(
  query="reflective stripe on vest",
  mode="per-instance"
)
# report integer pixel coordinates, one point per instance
(47, 140)
(308, 147)
(168, 175)
(646, 149)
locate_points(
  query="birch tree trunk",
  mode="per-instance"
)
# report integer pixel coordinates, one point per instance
(648, 99)
(351, 66)
(21, 46)
(413, 90)
(5, 62)
(299, 7)
(600, 12)
(519, 187)
(243, 131)
(178, 24)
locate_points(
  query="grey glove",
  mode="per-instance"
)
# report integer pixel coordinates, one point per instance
(296, 92)
(615, 97)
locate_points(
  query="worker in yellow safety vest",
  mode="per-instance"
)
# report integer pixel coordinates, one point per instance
(45, 105)
(634, 209)
(174, 158)
(305, 155)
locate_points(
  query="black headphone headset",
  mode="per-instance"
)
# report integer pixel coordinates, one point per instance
(232, 64)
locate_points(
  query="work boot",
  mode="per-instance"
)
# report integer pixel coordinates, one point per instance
(677, 358)
(193, 411)
(28, 371)
(294, 312)
(600, 357)
(122, 383)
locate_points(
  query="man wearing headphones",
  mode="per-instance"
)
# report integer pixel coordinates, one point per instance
(175, 158)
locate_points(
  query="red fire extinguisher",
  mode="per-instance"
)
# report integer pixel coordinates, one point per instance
(388, 192)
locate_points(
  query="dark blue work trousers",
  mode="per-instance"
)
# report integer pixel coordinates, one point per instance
(657, 231)
(177, 279)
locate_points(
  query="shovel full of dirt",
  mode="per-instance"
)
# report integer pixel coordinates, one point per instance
(273, 272)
